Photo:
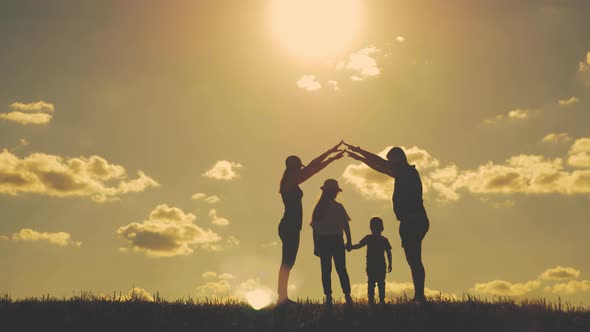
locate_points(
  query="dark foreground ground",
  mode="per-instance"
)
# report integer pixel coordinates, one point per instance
(91, 314)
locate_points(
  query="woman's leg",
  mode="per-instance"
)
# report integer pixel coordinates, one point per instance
(326, 262)
(289, 254)
(340, 263)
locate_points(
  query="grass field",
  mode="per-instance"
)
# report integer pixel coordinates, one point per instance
(86, 312)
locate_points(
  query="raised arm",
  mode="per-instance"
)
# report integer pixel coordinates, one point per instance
(368, 155)
(319, 163)
(381, 167)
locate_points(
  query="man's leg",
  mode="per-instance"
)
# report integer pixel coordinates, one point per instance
(413, 251)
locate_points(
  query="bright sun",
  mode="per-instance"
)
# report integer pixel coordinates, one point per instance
(316, 28)
(259, 298)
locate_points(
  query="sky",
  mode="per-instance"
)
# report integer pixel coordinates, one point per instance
(142, 142)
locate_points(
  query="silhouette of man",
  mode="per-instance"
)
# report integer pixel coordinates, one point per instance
(407, 206)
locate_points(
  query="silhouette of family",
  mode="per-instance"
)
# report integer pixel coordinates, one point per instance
(330, 223)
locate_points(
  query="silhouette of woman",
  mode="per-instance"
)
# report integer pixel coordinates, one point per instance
(290, 225)
(407, 206)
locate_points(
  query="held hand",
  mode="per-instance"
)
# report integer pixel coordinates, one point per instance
(348, 246)
(351, 147)
(339, 155)
(352, 155)
(337, 146)
(389, 269)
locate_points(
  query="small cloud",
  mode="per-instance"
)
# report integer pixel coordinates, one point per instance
(56, 176)
(61, 239)
(400, 39)
(226, 276)
(579, 153)
(138, 294)
(584, 71)
(167, 232)
(571, 287)
(560, 273)
(223, 170)
(214, 289)
(309, 83)
(272, 244)
(518, 114)
(213, 199)
(216, 220)
(33, 113)
(334, 85)
(209, 275)
(568, 102)
(505, 288)
(362, 64)
(560, 138)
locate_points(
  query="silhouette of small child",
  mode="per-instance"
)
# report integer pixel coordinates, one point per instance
(377, 246)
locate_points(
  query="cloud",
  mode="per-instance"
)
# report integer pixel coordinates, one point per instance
(397, 289)
(362, 64)
(223, 170)
(560, 138)
(209, 199)
(571, 287)
(33, 113)
(138, 294)
(584, 71)
(214, 289)
(167, 232)
(568, 102)
(560, 273)
(513, 115)
(209, 275)
(579, 153)
(400, 39)
(505, 288)
(52, 175)
(272, 244)
(216, 220)
(61, 239)
(334, 85)
(309, 83)
(521, 174)
(374, 185)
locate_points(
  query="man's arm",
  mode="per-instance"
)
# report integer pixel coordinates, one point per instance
(346, 227)
(368, 155)
(381, 167)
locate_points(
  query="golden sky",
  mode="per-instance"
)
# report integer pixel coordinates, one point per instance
(142, 142)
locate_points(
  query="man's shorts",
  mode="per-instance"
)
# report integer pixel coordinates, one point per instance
(413, 229)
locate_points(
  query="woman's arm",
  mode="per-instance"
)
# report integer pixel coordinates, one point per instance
(346, 227)
(314, 167)
(368, 155)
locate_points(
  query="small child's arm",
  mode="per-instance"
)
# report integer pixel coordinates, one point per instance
(357, 246)
(389, 260)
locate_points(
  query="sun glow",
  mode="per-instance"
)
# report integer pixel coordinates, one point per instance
(259, 298)
(316, 28)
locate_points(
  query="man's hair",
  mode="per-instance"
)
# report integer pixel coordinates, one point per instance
(398, 153)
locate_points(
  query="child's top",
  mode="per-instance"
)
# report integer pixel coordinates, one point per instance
(377, 245)
(331, 220)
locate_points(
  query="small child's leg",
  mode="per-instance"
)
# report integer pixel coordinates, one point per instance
(381, 285)
(371, 290)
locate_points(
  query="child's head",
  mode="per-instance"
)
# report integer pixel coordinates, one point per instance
(376, 225)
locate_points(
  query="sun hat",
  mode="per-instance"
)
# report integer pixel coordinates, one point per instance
(331, 185)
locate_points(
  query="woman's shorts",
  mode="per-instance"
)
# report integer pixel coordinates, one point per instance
(290, 238)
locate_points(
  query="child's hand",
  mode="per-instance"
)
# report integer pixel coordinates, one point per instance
(389, 269)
